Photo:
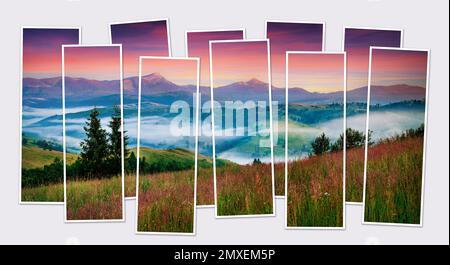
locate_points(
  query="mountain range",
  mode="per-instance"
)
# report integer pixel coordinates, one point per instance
(393, 93)
(156, 87)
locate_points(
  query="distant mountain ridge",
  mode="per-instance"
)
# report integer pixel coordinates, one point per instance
(156, 85)
(80, 87)
(257, 90)
(43, 82)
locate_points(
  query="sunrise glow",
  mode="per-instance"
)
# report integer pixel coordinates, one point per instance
(322, 73)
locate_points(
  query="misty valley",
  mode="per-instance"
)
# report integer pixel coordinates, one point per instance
(42, 119)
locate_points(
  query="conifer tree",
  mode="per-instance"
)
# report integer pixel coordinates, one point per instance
(115, 142)
(131, 164)
(94, 149)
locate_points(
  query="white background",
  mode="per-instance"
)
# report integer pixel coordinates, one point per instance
(425, 24)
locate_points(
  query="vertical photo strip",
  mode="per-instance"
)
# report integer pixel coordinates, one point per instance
(197, 45)
(242, 121)
(138, 38)
(41, 110)
(93, 135)
(356, 43)
(167, 146)
(315, 124)
(287, 36)
(396, 136)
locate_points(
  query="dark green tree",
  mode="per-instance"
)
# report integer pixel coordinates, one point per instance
(321, 144)
(131, 163)
(94, 149)
(115, 142)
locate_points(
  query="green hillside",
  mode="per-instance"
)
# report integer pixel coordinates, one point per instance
(36, 157)
(178, 155)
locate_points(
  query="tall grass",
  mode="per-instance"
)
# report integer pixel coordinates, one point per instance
(205, 186)
(130, 185)
(354, 171)
(94, 199)
(244, 190)
(45, 193)
(279, 178)
(394, 181)
(315, 191)
(166, 202)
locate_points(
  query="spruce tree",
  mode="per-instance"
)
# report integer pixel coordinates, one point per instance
(131, 163)
(94, 149)
(115, 142)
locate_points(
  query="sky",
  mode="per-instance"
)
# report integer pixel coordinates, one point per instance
(140, 39)
(291, 36)
(239, 61)
(97, 63)
(357, 45)
(42, 51)
(198, 46)
(178, 71)
(393, 67)
(322, 73)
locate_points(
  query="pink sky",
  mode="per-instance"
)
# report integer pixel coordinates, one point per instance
(239, 61)
(291, 36)
(321, 73)
(198, 46)
(178, 71)
(392, 67)
(97, 63)
(357, 45)
(42, 50)
(140, 39)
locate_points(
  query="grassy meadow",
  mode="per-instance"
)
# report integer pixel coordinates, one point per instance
(315, 191)
(162, 156)
(94, 199)
(205, 177)
(44, 193)
(86, 200)
(166, 202)
(166, 190)
(394, 181)
(244, 190)
(34, 157)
